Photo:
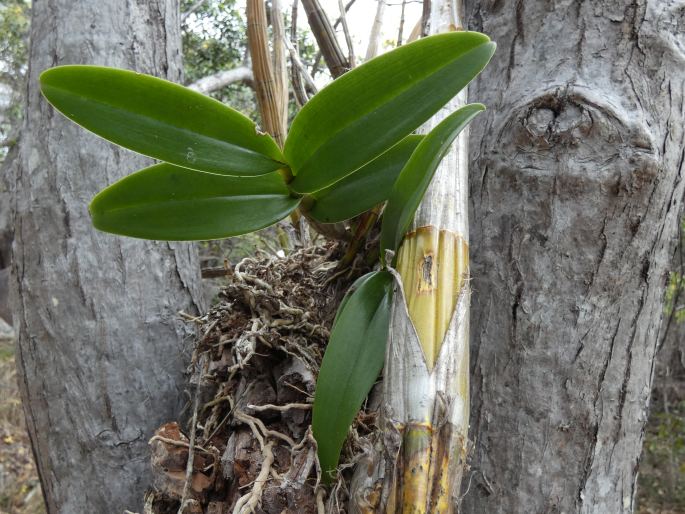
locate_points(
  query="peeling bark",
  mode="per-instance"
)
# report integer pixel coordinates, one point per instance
(101, 350)
(417, 461)
(576, 186)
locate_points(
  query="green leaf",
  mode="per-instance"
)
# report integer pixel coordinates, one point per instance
(371, 108)
(161, 119)
(355, 285)
(167, 202)
(414, 179)
(353, 359)
(366, 187)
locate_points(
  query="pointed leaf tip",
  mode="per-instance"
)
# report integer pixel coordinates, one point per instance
(415, 177)
(166, 202)
(353, 359)
(161, 119)
(370, 108)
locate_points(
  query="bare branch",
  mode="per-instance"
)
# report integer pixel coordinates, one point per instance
(193, 8)
(295, 77)
(399, 31)
(348, 38)
(296, 59)
(222, 79)
(375, 36)
(325, 37)
(347, 8)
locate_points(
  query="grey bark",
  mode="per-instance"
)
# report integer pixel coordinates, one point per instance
(101, 350)
(576, 186)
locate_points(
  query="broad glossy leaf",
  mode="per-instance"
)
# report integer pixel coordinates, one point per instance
(167, 202)
(366, 187)
(414, 179)
(351, 364)
(161, 119)
(371, 108)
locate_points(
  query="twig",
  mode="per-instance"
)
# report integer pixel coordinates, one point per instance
(295, 71)
(399, 32)
(348, 38)
(347, 8)
(192, 9)
(305, 74)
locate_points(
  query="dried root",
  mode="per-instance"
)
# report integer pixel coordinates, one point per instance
(254, 370)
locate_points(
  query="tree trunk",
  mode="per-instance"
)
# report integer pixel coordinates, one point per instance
(576, 186)
(101, 350)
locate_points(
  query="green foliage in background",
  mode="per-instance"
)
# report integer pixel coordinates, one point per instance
(14, 27)
(215, 39)
(662, 470)
(674, 300)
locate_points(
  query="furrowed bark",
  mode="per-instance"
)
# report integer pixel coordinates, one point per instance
(100, 347)
(576, 187)
(417, 464)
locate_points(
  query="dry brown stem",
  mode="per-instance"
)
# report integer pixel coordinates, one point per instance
(266, 87)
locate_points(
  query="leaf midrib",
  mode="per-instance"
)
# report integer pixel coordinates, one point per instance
(191, 200)
(343, 128)
(185, 131)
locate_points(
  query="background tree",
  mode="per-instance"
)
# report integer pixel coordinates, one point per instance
(575, 196)
(100, 348)
(14, 23)
(215, 41)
